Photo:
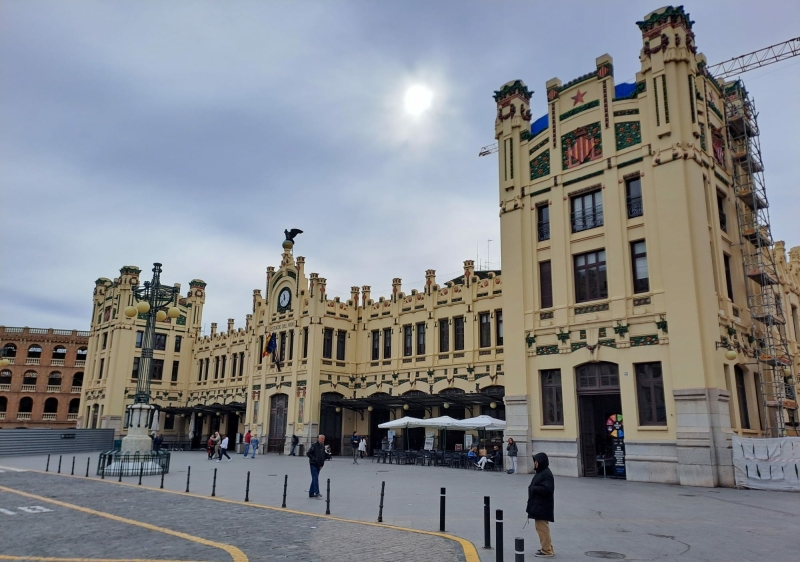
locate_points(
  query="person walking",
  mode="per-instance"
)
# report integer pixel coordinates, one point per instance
(317, 455)
(223, 449)
(216, 440)
(247, 438)
(210, 447)
(254, 444)
(354, 443)
(362, 447)
(541, 503)
(295, 441)
(511, 449)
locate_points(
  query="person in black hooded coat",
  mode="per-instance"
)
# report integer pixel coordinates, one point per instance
(541, 504)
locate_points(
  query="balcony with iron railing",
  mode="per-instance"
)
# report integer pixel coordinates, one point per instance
(587, 218)
(635, 208)
(543, 231)
(22, 416)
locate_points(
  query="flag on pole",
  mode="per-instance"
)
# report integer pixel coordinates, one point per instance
(269, 345)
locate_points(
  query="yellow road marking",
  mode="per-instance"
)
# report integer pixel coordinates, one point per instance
(236, 554)
(470, 552)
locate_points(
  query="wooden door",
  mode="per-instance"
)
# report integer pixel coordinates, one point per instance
(278, 406)
(587, 442)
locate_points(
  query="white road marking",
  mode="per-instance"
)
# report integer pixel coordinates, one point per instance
(34, 509)
(4, 468)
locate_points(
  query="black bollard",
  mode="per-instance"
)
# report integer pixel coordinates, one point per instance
(88, 461)
(141, 470)
(188, 474)
(487, 523)
(103, 470)
(162, 477)
(441, 510)
(380, 508)
(519, 549)
(59, 464)
(47, 468)
(328, 499)
(285, 483)
(72, 472)
(247, 488)
(120, 472)
(214, 484)
(498, 535)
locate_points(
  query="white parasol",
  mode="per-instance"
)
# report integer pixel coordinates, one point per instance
(191, 426)
(154, 427)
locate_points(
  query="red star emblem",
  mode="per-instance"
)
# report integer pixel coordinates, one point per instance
(578, 98)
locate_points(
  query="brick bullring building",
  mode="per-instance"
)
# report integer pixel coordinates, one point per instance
(41, 385)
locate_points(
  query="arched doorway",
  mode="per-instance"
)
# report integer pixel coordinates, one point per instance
(330, 421)
(377, 416)
(278, 408)
(450, 437)
(602, 451)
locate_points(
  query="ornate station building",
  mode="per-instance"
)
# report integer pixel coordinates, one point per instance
(648, 313)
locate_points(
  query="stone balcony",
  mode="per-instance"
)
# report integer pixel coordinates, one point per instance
(80, 363)
(22, 416)
(76, 389)
(53, 388)
(32, 361)
(28, 388)
(5, 387)
(56, 362)
(48, 417)
(72, 417)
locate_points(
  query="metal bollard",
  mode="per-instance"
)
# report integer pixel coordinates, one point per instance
(120, 473)
(328, 499)
(88, 461)
(214, 484)
(441, 510)
(72, 472)
(141, 470)
(285, 483)
(188, 474)
(47, 468)
(519, 549)
(162, 477)
(380, 507)
(103, 471)
(498, 535)
(247, 489)
(59, 464)
(487, 523)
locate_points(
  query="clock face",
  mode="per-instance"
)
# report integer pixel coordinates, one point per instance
(284, 298)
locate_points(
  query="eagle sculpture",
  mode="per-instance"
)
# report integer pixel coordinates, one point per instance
(290, 234)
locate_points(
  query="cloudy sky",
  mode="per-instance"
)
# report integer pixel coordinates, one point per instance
(193, 133)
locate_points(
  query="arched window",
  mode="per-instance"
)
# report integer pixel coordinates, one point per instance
(54, 379)
(51, 406)
(29, 377)
(59, 352)
(77, 380)
(10, 350)
(5, 376)
(81, 355)
(74, 404)
(35, 351)
(3, 404)
(25, 405)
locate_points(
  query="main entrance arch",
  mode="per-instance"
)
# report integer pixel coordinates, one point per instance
(330, 421)
(602, 451)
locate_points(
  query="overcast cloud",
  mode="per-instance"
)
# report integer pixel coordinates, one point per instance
(193, 133)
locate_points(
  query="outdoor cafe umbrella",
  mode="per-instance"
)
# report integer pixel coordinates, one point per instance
(154, 427)
(442, 422)
(191, 427)
(487, 423)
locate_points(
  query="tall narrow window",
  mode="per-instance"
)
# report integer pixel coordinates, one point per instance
(105, 339)
(458, 333)
(216, 367)
(327, 343)
(206, 371)
(178, 340)
(291, 344)
(305, 342)
(160, 342)
(260, 350)
(135, 368)
(387, 343)
(282, 347)
(444, 335)
(543, 222)
(139, 337)
(241, 364)
(100, 372)
(641, 279)
(158, 369)
(407, 341)
(552, 402)
(545, 285)
(224, 365)
(234, 360)
(741, 394)
(498, 328)
(728, 279)
(587, 211)
(650, 394)
(633, 194)
(200, 371)
(341, 338)
(590, 276)
(175, 366)
(723, 218)
(376, 344)
(421, 338)
(485, 330)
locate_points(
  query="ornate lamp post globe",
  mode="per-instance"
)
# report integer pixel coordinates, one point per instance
(130, 311)
(731, 355)
(4, 362)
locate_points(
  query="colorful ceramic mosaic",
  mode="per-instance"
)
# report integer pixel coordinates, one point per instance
(627, 134)
(582, 145)
(540, 166)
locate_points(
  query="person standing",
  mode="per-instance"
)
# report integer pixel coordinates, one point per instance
(223, 449)
(247, 439)
(295, 441)
(210, 447)
(216, 439)
(254, 444)
(317, 455)
(511, 448)
(157, 442)
(354, 442)
(362, 448)
(541, 503)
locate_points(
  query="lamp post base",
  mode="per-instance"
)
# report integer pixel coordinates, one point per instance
(137, 440)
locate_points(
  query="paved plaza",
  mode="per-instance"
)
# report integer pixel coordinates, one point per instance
(637, 521)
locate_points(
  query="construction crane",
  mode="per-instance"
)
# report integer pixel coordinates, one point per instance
(737, 65)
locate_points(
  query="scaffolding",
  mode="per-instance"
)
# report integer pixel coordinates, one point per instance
(773, 362)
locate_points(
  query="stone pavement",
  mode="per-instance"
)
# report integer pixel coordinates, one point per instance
(639, 521)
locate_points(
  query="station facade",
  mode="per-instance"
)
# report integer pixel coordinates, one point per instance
(619, 337)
